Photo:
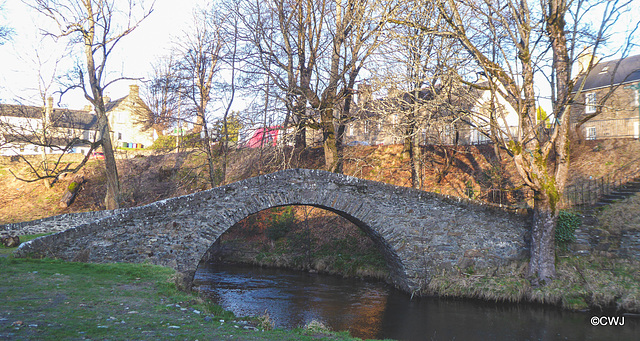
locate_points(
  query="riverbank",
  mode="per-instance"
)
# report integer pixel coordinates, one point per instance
(589, 283)
(55, 300)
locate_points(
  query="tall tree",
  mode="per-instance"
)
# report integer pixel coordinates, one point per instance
(313, 51)
(162, 93)
(420, 74)
(287, 37)
(525, 38)
(95, 25)
(199, 62)
(356, 29)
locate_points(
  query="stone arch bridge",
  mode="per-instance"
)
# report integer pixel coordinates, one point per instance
(417, 232)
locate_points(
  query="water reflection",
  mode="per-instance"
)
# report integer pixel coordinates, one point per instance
(374, 310)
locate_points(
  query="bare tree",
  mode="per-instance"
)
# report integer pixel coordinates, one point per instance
(313, 52)
(162, 93)
(93, 24)
(511, 41)
(230, 32)
(42, 129)
(287, 37)
(5, 31)
(419, 72)
(354, 37)
(199, 61)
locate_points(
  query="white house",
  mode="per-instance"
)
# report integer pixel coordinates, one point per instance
(506, 116)
(32, 130)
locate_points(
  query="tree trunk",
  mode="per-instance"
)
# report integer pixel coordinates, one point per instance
(300, 137)
(340, 148)
(111, 199)
(329, 140)
(542, 267)
(209, 152)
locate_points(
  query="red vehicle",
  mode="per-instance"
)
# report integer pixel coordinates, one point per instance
(97, 155)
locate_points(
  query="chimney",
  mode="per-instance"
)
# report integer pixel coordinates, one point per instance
(106, 99)
(584, 58)
(134, 90)
(48, 111)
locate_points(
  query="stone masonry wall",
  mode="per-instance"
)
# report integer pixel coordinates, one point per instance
(53, 224)
(591, 239)
(417, 232)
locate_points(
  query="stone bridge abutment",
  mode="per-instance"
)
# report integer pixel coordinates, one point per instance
(417, 232)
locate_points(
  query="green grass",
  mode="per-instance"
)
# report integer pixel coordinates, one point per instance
(54, 300)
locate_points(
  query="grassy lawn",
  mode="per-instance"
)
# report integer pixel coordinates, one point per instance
(56, 300)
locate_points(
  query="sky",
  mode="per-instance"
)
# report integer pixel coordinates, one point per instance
(133, 56)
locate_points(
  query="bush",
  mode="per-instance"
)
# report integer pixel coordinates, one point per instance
(565, 229)
(168, 142)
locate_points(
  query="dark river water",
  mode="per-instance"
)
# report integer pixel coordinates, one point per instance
(375, 310)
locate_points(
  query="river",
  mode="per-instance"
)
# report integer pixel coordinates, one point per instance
(369, 309)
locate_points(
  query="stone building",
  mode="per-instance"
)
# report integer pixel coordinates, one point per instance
(607, 106)
(33, 130)
(443, 116)
(128, 118)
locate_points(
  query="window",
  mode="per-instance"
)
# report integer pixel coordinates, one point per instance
(351, 129)
(591, 133)
(590, 103)
(119, 136)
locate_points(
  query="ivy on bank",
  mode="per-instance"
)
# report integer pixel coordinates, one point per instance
(565, 228)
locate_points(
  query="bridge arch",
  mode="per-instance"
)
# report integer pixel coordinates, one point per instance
(393, 261)
(417, 232)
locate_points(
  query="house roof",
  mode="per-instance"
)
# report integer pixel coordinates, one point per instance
(60, 117)
(404, 100)
(23, 111)
(113, 104)
(76, 119)
(614, 72)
